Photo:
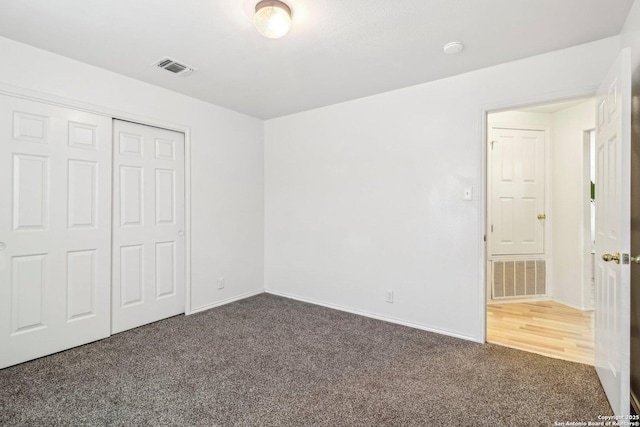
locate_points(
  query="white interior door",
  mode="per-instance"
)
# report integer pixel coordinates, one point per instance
(517, 191)
(148, 225)
(55, 229)
(613, 180)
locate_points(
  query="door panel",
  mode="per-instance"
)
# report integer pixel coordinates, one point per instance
(55, 229)
(131, 275)
(165, 269)
(131, 196)
(30, 192)
(81, 283)
(148, 224)
(83, 195)
(517, 191)
(635, 242)
(612, 317)
(27, 288)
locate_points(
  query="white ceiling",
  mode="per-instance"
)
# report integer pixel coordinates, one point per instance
(337, 49)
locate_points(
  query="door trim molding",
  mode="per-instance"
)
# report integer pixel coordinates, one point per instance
(483, 111)
(60, 101)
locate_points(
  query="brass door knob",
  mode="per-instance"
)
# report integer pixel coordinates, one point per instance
(611, 257)
(635, 259)
(542, 216)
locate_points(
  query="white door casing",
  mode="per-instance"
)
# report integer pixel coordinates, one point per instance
(148, 225)
(517, 179)
(55, 228)
(613, 181)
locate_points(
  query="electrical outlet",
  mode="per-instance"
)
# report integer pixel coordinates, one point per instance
(220, 282)
(389, 296)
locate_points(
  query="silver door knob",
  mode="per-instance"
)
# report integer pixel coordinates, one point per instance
(611, 257)
(180, 233)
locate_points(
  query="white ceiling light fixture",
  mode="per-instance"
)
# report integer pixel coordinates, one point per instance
(453, 48)
(272, 18)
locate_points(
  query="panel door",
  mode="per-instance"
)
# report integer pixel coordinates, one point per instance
(613, 181)
(55, 229)
(148, 225)
(517, 191)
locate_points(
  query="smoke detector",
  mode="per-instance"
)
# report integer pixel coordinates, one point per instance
(453, 48)
(175, 67)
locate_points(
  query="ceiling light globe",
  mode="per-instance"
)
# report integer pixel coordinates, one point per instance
(272, 18)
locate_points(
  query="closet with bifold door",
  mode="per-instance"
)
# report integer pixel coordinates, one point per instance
(92, 219)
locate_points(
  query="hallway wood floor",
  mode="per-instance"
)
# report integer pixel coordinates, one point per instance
(547, 327)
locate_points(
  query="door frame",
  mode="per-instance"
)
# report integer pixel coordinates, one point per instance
(484, 111)
(589, 267)
(546, 252)
(111, 113)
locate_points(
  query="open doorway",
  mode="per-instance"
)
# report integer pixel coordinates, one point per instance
(540, 209)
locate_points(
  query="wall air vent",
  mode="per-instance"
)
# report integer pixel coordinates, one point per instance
(174, 66)
(513, 278)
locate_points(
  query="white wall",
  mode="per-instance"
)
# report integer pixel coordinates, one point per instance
(630, 36)
(520, 118)
(366, 195)
(571, 249)
(226, 162)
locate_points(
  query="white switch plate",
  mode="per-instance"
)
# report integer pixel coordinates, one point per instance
(468, 194)
(389, 296)
(220, 282)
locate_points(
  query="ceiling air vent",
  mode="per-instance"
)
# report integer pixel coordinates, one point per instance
(174, 66)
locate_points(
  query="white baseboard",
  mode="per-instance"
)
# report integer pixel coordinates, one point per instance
(577, 307)
(226, 301)
(536, 299)
(520, 300)
(373, 316)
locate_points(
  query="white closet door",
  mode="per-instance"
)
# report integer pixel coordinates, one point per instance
(148, 225)
(55, 229)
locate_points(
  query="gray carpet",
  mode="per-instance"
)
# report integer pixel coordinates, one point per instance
(272, 361)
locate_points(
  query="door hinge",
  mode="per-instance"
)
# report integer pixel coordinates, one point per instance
(492, 142)
(492, 228)
(485, 237)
